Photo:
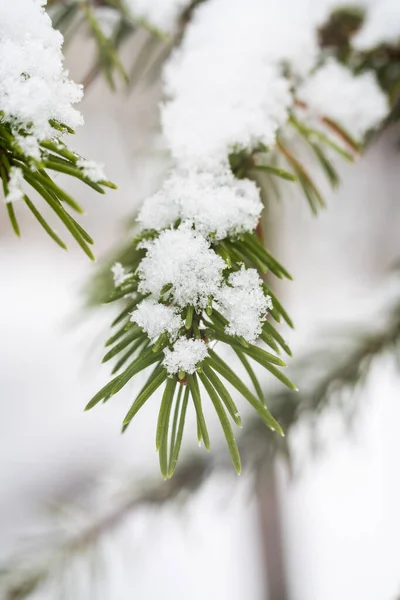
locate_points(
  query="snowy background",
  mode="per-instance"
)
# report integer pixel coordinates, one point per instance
(340, 514)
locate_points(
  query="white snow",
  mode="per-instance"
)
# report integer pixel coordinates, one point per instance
(184, 259)
(15, 191)
(243, 303)
(160, 14)
(119, 274)
(155, 319)
(91, 169)
(356, 102)
(29, 145)
(108, 18)
(215, 203)
(34, 87)
(185, 356)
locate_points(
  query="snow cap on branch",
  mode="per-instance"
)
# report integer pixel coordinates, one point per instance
(185, 355)
(243, 303)
(15, 183)
(356, 102)
(184, 259)
(215, 203)
(225, 91)
(34, 87)
(119, 274)
(91, 169)
(155, 319)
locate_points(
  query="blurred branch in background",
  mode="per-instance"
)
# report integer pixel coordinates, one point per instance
(329, 378)
(112, 25)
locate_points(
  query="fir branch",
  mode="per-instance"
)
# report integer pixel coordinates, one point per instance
(54, 155)
(36, 110)
(198, 279)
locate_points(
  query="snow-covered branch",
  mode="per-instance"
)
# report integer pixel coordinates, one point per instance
(242, 84)
(36, 111)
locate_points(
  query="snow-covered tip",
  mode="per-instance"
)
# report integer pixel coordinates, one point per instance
(215, 203)
(15, 191)
(183, 258)
(356, 102)
(155, 319)
(34, 87)
(243, 303)
(91, 169)
(185, 355)
(119, 274)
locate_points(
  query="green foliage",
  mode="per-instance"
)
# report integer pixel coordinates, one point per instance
(132, 349)
(129, 346)
(54, 156)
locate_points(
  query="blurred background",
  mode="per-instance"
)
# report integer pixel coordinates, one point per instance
(320, 524)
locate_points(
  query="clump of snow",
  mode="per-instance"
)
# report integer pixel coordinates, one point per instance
(211, 114)
(382, 25)
(15, 191)
(356, 102)
(91, 169)
(34, 87)
(225, 90)
(243, 303)
(160, 14)
(213, 202)
(185, 355)
(119, 274)
(183, 258)
(29, 145)
(155, 319)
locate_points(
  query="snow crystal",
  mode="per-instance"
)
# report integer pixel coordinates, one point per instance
(185, 355)
(243, 303)
(160, 14)
(215, 203)
(91, 169)
(356, 102)
(34, 87)
(382, 25)
(119, 274)
(184, 259)
(15, 191)
(155, 319)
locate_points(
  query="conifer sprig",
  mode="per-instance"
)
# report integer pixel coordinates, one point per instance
(133, 352)
(56, 157)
